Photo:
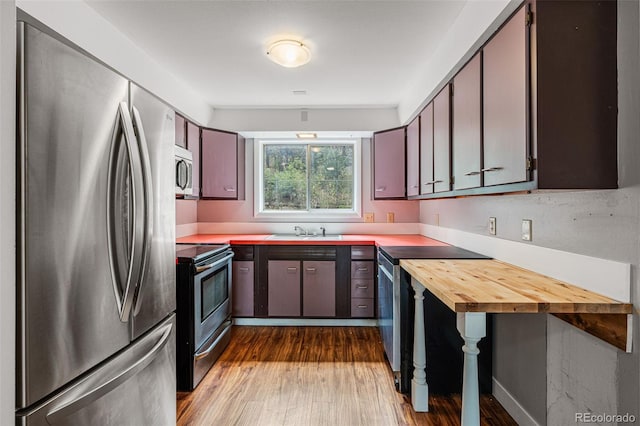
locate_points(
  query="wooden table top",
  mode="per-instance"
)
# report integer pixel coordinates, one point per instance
(496, 287)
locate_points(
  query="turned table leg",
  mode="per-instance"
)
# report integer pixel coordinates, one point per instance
(419, 387)
(472, 327)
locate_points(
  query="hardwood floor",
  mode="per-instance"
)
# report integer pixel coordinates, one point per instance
(306, 376)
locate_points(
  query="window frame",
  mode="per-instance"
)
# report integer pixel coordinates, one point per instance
(319, 214)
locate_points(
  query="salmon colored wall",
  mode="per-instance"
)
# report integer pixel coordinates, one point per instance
(186, 211)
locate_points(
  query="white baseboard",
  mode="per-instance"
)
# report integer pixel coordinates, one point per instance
(606, 277)
(513, 407)
(306, 322)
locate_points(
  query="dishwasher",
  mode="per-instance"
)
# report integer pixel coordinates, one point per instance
(396, 308)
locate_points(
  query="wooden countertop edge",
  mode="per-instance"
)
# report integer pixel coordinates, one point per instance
(604, 305)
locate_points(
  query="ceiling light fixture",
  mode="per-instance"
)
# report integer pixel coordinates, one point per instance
(289, 53)
(306, 135)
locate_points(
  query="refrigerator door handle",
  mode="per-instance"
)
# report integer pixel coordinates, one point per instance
(124, 298)
(104, 381)
(147, 179)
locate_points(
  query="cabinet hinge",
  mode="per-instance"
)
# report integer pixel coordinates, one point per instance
(528, 19)
(531, 164)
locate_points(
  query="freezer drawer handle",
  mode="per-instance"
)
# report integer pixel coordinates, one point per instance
(95, 387)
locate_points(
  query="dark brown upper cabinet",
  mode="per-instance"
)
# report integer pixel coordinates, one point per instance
(442, 140)
(181, 134)
(467, 125)
(548, 105)
(413, 157)
(193, 145)
(426, 150)
(505, 80)
(222, 165)
(389, 148)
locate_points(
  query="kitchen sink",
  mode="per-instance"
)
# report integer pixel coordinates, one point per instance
(293, 237)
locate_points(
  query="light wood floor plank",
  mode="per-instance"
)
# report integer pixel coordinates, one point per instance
(312, 376)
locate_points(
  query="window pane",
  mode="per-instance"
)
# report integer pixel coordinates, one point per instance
(331, 177)
(285, 177)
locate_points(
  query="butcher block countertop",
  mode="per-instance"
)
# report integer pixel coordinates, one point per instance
(496, 287)
(347, 239)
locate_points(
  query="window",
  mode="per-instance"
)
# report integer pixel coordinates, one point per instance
(307, 179)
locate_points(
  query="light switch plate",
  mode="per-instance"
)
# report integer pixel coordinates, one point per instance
(492, 225)
(368, 217)
(390, 217)
(526, 229)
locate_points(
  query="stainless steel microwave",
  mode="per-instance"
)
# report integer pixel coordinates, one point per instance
(184, 171)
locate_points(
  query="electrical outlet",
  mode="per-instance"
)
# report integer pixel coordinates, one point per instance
(492, 225)
(526, 229)
(368, 217)
(390, 217)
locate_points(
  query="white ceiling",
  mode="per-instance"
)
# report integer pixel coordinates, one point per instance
(365, 53)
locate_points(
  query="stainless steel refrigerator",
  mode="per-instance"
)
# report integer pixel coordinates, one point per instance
(96, 287)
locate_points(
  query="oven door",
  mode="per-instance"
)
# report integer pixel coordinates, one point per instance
(212, 298)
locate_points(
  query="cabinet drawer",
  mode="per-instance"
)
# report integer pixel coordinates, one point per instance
(362, 269)
(362, 288)
(361, 308)
(362, 252)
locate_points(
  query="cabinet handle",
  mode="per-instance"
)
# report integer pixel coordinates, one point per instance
(311, 269)
(382, 188)
(363, 306)
(432, 182)
(229, 189)
(292, 269)
(415, 186)
(363, 269)
(362, 286)
(492, 169)
(243, 269)
(472, 173)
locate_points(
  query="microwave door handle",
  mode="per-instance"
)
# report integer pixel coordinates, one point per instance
(148, 205)
(181, 174)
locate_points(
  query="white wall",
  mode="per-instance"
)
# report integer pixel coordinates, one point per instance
(475, 23)
(7, 208)
(79, 23)
(316, 119)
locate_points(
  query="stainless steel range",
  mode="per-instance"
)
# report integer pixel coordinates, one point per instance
(203, 290)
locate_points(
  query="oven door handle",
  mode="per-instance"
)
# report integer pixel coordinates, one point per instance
(214, 264)
(203, 354)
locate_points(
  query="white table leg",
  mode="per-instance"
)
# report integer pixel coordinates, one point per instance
(419, 387)
(472, 327)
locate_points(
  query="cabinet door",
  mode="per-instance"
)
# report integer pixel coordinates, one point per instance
(389, 164)
(180, 131)
(319, 288)
(467, 126)
(219, 164)
(193, 145)
(242, 289)
(504, 80)
(426, 150)
(413, 157)
(284, 288)
(442, 141)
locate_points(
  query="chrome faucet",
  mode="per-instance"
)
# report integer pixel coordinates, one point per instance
(300, 230)
(324, 231)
